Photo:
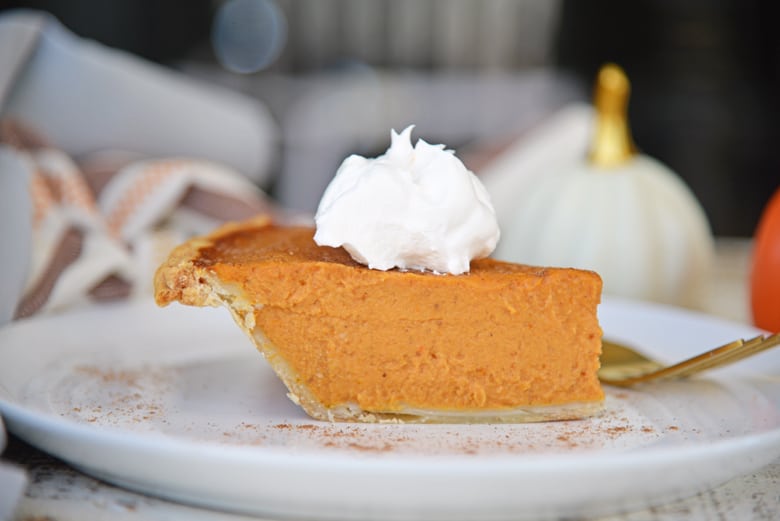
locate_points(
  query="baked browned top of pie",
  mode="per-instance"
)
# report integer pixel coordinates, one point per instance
(504, 342)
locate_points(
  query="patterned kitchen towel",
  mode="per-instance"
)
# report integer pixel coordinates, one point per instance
(102, 225)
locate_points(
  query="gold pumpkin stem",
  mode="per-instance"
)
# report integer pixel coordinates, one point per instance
(612, 144)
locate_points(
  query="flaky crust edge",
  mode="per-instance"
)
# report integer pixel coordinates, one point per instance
(180, 279)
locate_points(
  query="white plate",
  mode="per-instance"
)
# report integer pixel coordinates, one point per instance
(177, 403)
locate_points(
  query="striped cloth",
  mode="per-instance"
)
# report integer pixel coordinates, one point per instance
(102, 225)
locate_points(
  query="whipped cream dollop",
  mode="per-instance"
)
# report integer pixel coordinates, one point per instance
(414, 207)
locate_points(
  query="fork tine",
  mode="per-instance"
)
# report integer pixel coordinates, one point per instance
(747, 349)
(696, 363)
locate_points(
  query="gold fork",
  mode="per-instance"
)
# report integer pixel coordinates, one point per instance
(621, 366)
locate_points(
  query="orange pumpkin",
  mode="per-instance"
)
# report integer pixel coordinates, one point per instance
(765, 275)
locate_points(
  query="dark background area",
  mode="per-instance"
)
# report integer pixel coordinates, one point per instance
(706, 74)
(707, 77)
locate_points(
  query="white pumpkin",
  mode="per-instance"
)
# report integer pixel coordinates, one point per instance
(619, 213)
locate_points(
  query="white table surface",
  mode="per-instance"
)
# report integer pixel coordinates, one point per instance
(56, 492)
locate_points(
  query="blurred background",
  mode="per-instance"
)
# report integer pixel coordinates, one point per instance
(336, 75)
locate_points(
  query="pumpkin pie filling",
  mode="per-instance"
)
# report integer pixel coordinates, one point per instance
(502, 342)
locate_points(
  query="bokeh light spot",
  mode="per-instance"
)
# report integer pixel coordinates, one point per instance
(248, 35)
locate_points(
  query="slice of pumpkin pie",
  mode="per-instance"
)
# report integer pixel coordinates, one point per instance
(504, 342)
(389, 310)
